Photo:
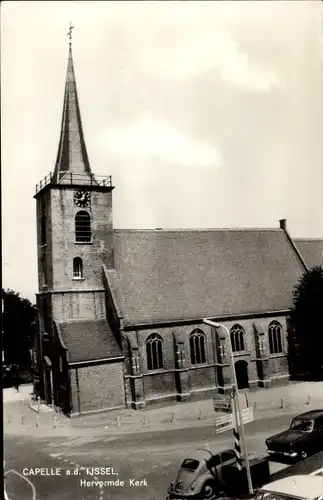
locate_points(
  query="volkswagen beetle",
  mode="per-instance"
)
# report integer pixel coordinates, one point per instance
(200, 475)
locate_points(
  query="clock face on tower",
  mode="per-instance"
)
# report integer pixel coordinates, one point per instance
(82, 198)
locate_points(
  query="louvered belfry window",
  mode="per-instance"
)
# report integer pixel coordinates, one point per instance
(83, 227)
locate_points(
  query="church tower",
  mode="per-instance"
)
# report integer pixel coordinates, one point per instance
(74, 229)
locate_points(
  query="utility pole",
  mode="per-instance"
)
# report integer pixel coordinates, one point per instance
(237, 402)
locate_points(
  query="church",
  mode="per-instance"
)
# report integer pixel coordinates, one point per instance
(121, 311)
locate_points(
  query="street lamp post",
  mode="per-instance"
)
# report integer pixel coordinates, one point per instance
(237, 402)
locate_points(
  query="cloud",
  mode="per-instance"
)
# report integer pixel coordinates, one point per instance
(196, 51)
(151, 137)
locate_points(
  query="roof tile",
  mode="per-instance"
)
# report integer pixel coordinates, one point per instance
(89, 340)
(175, 275)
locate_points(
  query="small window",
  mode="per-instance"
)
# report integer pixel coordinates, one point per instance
(302, 425)
(82, 227)
(154, 348)
(214, 461)
(197, 347)
(237, 338)
(275, 338)
(318, 424)
(61, 364)
(190, 464)
(226, 456)
(77, 268)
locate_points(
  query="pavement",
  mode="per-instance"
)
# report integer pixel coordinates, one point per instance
(19, 418)
(152, 458)
(146, 445)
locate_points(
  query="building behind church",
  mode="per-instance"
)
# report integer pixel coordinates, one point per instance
(121, 311)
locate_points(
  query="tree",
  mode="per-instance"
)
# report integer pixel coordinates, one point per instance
(19, 329)
(306, 343)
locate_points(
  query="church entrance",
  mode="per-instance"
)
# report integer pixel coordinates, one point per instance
(241, 368)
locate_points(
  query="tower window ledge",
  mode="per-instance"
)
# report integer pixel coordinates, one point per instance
(83, 242)
(75, 278)
(45, 286)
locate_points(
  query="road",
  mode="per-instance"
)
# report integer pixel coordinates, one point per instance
(151, 458)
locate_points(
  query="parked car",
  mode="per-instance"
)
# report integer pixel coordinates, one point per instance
(304, 436)
(300, 487)
(200, 475)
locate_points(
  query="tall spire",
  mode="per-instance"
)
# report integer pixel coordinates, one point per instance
(72, 164)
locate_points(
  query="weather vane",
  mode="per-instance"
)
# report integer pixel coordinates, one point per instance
(69, 34)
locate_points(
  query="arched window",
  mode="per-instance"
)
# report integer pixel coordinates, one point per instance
(77, 267)
(197, 347)
(237, 338)
(154, 347)
(275, 337)
(82, 227)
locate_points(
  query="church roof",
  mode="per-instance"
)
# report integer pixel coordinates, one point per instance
(72, 155)
(88, 340)
(186, 274)
(311, 249)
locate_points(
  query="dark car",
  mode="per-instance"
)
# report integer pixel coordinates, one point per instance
(200, 475)
(304, 436)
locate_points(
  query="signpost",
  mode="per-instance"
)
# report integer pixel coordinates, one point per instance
(223, 424)
(226, 422)
(247, 415)
(222, 405)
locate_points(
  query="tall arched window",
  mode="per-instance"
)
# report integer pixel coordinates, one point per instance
(77, 267)
(237, 338)
(197, 347)
(82, 227)
(154, 348)
(275, 331)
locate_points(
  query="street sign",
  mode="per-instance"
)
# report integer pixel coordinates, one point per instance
(223, 405)
(242, 400)
(247, 415)
(223, 424)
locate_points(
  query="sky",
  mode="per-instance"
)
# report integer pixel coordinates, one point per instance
(206, 114)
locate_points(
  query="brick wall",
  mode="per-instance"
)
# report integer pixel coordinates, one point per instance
(64, 248)
(163, 382)
(80, 305)
(100, 387)
(200, 377)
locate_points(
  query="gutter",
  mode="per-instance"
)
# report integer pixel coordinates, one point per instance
(193, 321)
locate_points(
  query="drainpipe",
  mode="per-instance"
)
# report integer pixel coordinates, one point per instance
(125, 353)
(282, 224)
(78, 391)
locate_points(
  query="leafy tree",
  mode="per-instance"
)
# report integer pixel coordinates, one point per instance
(306, 343)
(19, 329)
